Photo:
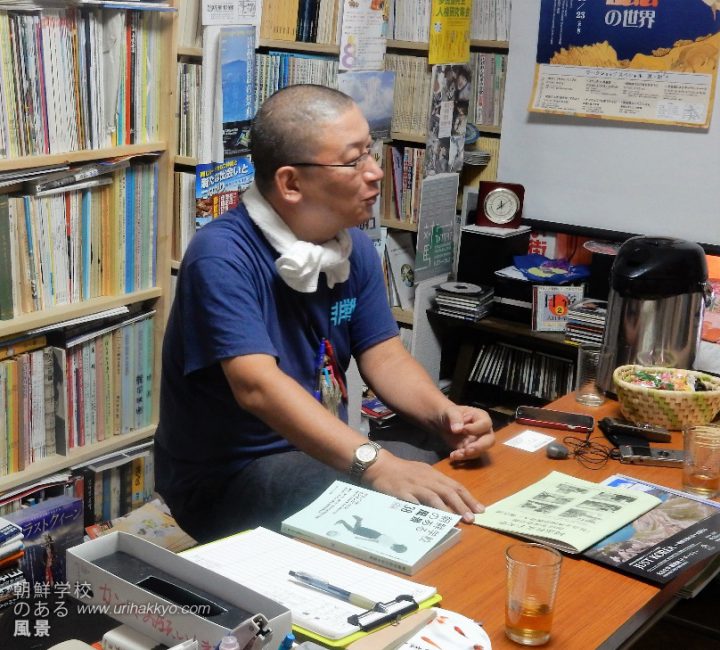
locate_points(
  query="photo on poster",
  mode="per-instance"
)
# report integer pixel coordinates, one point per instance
(373, 92)
(449, 104)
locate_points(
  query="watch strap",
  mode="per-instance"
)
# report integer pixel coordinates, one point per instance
(358, 467)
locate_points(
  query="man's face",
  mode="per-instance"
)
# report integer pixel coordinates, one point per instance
(335, 198)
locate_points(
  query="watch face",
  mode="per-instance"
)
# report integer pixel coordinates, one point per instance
(365, 453)
(501, 205)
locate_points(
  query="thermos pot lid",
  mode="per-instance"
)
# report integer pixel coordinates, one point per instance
(654, 267)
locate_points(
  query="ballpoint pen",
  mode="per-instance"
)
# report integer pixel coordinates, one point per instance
(332, 590)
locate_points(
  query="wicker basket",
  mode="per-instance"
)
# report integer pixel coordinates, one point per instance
(672, 409)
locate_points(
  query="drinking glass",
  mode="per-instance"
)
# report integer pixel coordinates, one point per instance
(533, 572)
(701, 465)
(590, 359)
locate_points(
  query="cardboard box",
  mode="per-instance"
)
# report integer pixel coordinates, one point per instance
(169, 598)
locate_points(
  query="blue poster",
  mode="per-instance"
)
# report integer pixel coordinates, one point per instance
(634, 60)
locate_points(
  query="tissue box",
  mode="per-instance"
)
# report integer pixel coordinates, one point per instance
(169, 598)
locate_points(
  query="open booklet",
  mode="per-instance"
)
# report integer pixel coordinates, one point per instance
(375, 527)
(566, 512)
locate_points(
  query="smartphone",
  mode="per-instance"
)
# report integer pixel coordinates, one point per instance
(540, 417)
(650, 456)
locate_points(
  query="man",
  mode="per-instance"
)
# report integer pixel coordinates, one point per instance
(273, 298)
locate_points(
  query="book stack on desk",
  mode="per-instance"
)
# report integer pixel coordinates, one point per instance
(586, 321)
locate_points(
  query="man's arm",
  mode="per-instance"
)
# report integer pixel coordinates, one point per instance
(261, 388)
(402, 383)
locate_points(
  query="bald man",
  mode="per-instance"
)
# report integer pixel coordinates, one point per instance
(273, 298)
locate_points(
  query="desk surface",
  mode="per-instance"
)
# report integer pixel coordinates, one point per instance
(596, 606)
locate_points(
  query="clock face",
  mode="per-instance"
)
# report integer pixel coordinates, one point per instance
(501, 205)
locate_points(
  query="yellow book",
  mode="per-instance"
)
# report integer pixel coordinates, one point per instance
(450, 33)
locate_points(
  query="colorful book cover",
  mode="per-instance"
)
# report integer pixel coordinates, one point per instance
(373, 91)
(236, 69)
(680, 532)
(49, 529)
(376, 527)
(551, 304)
(450, 31)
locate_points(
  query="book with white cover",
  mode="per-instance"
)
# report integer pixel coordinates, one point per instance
(376, 527)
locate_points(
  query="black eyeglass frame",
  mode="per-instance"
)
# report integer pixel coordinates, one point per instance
(360, 160)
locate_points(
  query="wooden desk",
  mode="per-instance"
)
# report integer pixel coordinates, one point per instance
(595, 606)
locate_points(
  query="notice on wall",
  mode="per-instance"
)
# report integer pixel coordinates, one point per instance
(362, 37)
(632, 60)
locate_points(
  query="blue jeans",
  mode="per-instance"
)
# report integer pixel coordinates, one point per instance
(269, 490)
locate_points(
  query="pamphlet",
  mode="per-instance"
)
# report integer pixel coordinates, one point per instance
(565, 512)
(679, 533)
(376, 527)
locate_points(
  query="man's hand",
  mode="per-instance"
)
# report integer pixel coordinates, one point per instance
(420, 483)
(467, 430)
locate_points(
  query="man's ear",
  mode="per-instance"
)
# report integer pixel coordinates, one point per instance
(287, 184)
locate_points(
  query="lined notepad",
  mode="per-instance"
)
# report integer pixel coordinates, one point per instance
(261, 559)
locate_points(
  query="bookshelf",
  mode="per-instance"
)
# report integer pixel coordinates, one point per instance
(147, 136)
(546, 362)
(190, 49)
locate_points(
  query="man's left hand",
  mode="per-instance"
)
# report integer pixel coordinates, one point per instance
(467, 430)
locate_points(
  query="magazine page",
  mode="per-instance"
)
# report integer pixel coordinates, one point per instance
(682, 531)
(566, 512)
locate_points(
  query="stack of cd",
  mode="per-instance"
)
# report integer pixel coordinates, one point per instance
(476, 157)
(586, 321)
(464, 300)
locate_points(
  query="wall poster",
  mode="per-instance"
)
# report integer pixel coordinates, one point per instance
(652, 61)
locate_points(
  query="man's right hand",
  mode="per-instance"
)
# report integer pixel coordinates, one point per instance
(419, 482)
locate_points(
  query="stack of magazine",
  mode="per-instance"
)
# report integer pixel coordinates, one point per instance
(464, 300)
(586, 321)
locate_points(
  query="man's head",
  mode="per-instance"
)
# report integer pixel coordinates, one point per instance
(309, 146)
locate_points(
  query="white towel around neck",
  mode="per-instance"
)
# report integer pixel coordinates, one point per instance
(300, 262)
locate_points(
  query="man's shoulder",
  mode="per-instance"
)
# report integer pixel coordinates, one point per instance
(223, 235)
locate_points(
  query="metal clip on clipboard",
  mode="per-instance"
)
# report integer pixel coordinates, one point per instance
(384, 613)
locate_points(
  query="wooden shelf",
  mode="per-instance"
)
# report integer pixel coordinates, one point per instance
(421, 46)
(404, 316)
(75, 456)
(186, 160)
(408, 137)
(396, 224)
(75, 310)
(297, 46)
(70, 157)
(184, 50)
(495, 45)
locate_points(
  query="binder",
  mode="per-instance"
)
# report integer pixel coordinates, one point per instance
(261, 560)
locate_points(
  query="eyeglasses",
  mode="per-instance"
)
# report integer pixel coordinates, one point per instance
(359, 163)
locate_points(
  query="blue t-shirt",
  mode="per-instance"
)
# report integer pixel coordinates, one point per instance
(231, 301)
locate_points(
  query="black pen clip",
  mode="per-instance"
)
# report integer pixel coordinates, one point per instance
(384, 613)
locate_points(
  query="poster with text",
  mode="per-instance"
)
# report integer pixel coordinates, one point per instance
(450, 32)
(362, 36)
(652, 61)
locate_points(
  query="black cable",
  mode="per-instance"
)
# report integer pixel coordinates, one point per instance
(589, 453)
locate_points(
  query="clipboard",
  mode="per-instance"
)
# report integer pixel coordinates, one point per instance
(261, 559)
(372, 622)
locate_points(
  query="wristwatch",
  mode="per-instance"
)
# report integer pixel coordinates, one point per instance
(365, 455)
